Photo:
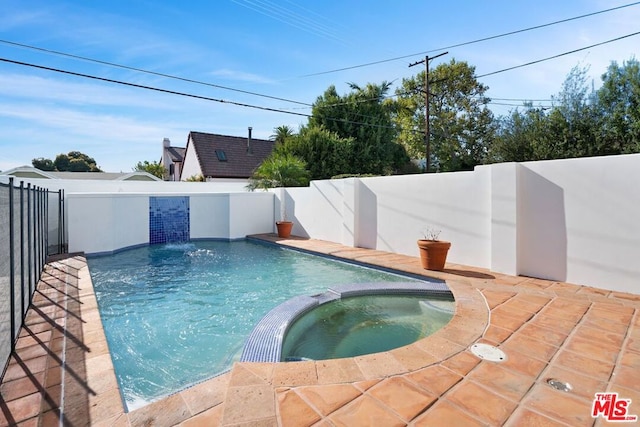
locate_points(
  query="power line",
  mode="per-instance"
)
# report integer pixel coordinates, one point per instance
(140, 70)
(472, 41)
(290, 17)
(559, 55)
(173, 92)
(521, 99)
(111, 64)
(517, 105)
(169, 76)
(189, 95)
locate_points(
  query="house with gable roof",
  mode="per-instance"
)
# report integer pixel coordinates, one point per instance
(221, 157)
(172, 158)
(31, 172)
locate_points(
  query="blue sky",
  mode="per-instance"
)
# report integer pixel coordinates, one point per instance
(269, 47)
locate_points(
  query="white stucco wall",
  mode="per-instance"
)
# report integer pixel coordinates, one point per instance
(250, 213)
(572, 220)
(107, 186)
(107, 222)
(317, 211)
(457, 204)
(209, 215)
(578, 221)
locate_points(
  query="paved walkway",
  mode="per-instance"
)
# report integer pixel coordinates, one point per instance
(584, 336)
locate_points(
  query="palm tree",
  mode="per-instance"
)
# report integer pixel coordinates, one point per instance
(281, 133)
(280, 170)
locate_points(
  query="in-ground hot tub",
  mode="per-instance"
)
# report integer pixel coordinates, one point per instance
(350, 320)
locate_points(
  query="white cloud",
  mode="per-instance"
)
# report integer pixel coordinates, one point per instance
(241, 76)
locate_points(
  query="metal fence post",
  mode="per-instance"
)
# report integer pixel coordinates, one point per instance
(29, 260)
(59, 224)
(63, 224)
(12, 273)
(22, 248)
(46, 223)
(38, 236)
(43, 248)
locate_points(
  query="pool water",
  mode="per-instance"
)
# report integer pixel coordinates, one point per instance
(366, 324)
(178, 314)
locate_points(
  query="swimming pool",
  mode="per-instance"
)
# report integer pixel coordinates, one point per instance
(175, 315)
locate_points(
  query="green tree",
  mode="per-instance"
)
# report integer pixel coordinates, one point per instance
(279, 170)
(521, 136)
(366, 117)
(75, 161)
(281, 134)
(61, 162)
(154, 168)
(325, 153)
(462, 126)
(43, 164)
(196, 178)
(570, 128)
(619, 99)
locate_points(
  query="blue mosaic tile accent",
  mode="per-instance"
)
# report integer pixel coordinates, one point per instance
(169, 219)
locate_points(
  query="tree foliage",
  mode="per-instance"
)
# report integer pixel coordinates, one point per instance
(461, 124)
(619, 100)
(364, 117)
(74, 161)
(279, 170)
(324, 152)
(366, 132)
(281, 134)
(154, 168)
(43, 164)
(582, 122)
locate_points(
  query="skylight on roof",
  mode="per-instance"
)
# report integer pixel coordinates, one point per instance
(222, 156)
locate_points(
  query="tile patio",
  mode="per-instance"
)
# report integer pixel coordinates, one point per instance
(61, 372)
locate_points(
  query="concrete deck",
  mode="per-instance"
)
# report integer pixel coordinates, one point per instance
(61, 372)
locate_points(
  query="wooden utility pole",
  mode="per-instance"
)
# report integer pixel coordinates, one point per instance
(427, 134)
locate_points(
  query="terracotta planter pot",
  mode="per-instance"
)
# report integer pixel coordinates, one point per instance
(284, 228)
(433, 253)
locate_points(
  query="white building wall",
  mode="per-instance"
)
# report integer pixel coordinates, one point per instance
(572, 220)
(107, 186)
(104, 223)
(250, 213)
(191, 164)
(578, 221)
(107, 222)
(209, 216)
(397, 209)
(317, 211)
(504, 218)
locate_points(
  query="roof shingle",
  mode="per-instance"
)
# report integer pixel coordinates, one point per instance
(239, 164)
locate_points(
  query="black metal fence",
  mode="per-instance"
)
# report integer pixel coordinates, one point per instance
(31, 228)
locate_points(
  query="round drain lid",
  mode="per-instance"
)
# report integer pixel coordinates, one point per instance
(559, 385)
(488, 352)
